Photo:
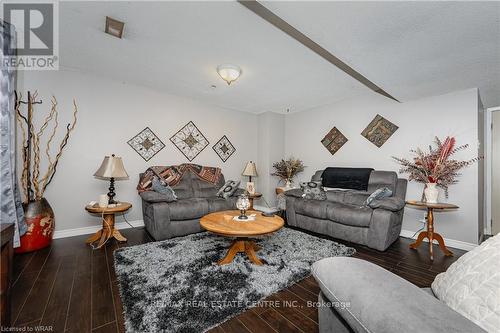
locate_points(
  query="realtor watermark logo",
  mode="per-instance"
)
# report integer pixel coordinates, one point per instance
(36, 46)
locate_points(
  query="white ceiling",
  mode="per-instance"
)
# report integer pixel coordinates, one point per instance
(411, 50)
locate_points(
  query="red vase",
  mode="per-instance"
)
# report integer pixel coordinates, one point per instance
(39, 217)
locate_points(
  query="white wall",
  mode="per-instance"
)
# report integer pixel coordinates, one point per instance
(111, 113)
(271, 148)
(454, 114)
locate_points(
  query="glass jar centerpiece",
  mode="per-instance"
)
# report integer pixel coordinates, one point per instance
(243, 203)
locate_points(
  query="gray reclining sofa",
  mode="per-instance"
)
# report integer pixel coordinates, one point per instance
(343, 215)
(195, 198)
(358, 296)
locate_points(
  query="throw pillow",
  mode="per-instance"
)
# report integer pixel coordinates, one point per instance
(313, 190)
(378, 194)
(161, 187)
(471, 285)
(228, 189)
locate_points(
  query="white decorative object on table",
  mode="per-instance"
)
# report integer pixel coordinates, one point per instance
(431, 193)
(103, 200)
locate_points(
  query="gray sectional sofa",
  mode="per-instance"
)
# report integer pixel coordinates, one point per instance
(343, 215)
(195, 198)
(358, 296)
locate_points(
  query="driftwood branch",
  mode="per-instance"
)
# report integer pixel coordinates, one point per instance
(53, 166)
(30, 178)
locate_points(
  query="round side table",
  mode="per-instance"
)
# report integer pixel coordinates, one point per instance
(108, 224)
(251, 197)
(430, 234)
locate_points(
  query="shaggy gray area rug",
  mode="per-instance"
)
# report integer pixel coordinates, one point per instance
(176, 285)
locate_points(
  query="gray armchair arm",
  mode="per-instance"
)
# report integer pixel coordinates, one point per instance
(392, 203)
(152, 196)
(376, 300)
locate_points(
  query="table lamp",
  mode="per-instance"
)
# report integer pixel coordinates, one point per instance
(250, 171)
(111, 169)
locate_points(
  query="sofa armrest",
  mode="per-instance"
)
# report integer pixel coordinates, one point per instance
(295, 192)
(392, 203)
(152, 196)
(376, 300)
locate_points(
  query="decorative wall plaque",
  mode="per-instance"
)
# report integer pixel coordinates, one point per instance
(146, 144)
(190, 141)
(379, 130)
(334, 140)
(224, 148)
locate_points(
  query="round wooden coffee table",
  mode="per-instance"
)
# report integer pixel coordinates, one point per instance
(222, 223)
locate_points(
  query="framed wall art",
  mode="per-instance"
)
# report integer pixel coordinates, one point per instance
(190, 141)
(146, 144)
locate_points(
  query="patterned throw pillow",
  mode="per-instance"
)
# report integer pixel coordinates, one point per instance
(378, 194)
(228, 189)
(313, 190)
(161, 187)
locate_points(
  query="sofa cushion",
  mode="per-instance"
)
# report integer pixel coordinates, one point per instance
(357, 216)
(203, 189)
(335, 195)
(216, 204)
(187, 209)
(471, 285)
(380, 179)
(311, 208)
(357, 198)
(184, 190)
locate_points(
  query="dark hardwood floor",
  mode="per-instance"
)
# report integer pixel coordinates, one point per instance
(72, 288)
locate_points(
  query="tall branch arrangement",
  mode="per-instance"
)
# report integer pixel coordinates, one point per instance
(33, 182)
(286, 170)
(435, 165)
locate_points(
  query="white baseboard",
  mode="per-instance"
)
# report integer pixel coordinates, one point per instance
(449, 242)
(140, 223)
(92, 229)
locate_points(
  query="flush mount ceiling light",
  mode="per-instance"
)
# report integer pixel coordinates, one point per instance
(229, 73)
(114, 27)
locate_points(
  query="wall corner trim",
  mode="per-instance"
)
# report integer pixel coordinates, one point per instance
(449, 242)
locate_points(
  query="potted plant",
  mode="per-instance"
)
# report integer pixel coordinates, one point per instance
(38, 213)
(286, 170)
(435, 168)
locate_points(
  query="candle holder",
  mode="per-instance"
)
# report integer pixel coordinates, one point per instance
(243, 203)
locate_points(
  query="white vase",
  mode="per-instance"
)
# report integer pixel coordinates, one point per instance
(431, 193)
(288, 184)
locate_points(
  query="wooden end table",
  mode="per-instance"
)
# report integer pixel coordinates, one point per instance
(222, 223)
(108, 223)
(251, 197)
(430, 234)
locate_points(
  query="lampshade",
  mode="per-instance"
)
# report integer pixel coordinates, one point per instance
(229, 73)
(111, 167)
(250, 170)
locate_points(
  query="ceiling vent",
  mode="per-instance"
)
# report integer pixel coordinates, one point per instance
(114, 27)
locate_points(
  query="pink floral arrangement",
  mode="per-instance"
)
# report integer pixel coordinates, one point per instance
(436, 165)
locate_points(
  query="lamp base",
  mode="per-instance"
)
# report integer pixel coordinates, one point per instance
(111, 193)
